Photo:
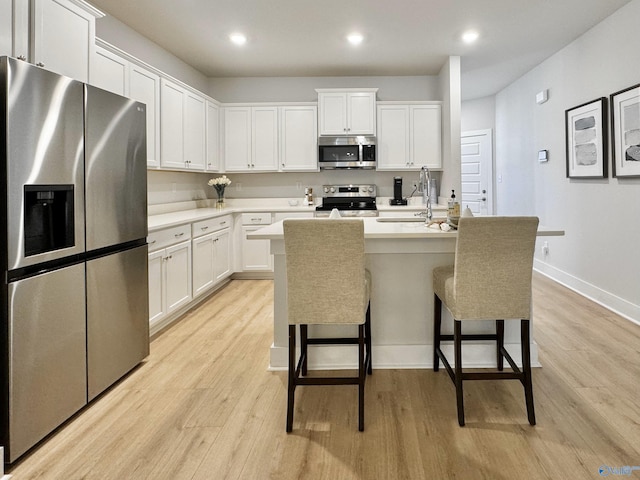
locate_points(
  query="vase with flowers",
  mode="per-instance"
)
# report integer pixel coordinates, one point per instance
(220, 183)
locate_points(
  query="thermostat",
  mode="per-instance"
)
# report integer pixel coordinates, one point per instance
(542, 156)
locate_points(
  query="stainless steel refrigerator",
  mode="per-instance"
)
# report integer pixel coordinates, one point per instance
(73, 224)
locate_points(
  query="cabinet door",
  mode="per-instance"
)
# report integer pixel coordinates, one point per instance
(178, 275)
(110, 72)
(6, 29)
(299, 138)
(63, 38)
(256, 254)
(361, 110)
(172, 107)
(213, 137)
(393, 137)
(157, 294)
(144, 86)
(426, 136)
(203, 263)
(222, 254)
(194, 131)
(264, 138)
(237, 139)
(333, 113)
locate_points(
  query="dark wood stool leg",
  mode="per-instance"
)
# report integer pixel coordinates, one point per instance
(437, 320)
(292, 376)
(457, 341)
(303, 348)
(526, 369)
(367, 333)
(361, 377)
(500, 343)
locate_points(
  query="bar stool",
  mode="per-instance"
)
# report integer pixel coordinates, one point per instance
(327, 284)
(490, 280)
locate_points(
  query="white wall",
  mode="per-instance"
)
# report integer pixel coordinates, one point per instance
(449, 84)
(478, 114)
(302, 89)
(120, 35)
(600, 254)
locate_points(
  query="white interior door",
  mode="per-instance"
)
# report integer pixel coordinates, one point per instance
(477, 172)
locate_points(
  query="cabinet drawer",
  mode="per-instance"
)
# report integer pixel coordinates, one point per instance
(256, 218)
(168, 236)
(210, 225)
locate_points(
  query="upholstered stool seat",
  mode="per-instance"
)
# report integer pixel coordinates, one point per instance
(327, 283)
(490, 280)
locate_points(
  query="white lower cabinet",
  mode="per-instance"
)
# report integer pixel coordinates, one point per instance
(256, 254)
(169, 271)
(211, 253)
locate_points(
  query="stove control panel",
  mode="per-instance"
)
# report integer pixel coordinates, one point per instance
(366, 190)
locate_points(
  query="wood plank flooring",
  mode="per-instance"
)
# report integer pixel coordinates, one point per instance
(204, 406)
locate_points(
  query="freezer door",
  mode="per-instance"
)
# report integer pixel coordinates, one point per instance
(116, 169)
(47, 360)
(117, 316)
(45, 164)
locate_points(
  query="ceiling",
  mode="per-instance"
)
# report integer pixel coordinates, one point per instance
(401, 37)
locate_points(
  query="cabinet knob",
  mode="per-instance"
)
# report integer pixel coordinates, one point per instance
(39, 64)
(22, 57)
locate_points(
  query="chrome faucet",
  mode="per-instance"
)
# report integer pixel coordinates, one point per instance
(424, 187)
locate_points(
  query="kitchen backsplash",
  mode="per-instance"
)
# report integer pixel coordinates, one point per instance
(171, 187)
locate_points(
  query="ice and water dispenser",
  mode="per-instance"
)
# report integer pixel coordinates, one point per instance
(48, 218)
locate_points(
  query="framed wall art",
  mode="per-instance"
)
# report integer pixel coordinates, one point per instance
(586, 137)
(625, 125)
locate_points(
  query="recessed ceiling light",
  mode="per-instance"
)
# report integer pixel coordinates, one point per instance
(355, 38)
(238, 38)
(470, 36)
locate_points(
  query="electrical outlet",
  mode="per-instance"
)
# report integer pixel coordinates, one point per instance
(545, 248)
(298, 185)
(238, 187)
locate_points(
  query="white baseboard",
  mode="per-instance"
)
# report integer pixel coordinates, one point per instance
(606, 299)
(341, 357)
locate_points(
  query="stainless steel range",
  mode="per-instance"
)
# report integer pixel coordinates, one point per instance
(350, 200)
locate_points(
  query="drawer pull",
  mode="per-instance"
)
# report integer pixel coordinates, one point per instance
(223, 223)
(178, 235)
(152, 242)
(204, 228)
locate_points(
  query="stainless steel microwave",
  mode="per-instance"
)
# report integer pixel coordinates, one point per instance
(356, 152)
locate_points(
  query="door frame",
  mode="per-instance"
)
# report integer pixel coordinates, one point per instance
(488, 133)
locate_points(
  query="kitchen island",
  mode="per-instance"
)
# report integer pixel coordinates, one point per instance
(401, 257)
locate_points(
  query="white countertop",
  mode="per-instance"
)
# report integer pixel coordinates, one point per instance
(242, 205)
(374, 229)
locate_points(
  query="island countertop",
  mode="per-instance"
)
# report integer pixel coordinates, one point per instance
(389, 228)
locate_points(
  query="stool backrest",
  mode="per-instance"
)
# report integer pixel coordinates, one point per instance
(325, 271)
(493, 267)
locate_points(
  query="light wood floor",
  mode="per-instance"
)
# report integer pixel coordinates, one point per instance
(204, 407)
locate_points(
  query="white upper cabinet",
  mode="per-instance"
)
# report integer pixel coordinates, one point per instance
(347, 112)
(182, 127)
(213, 137)
(6, 27)
(194, 134)
(426, 135)
(57, 35)
(298, 138)
(110, 71)
(264, 140)
(251, 139)
(393, 137)
(63, 36)
(172, 105)
(144, 86)
(409, 136)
